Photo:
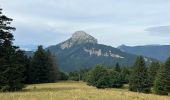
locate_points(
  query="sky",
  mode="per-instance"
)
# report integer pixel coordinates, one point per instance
(112, 22)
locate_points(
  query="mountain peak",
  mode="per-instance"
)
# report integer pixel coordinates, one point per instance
(82, 37)
(79, 37)
(79, 34)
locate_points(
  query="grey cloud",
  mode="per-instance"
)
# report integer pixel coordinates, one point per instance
(50, 22)
(159, 30)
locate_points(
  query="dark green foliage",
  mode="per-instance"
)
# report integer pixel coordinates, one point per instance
(99, 77)
(153, 68)
(11, 58)
(125, 73)
(83, 74)
(75, 76)
(63, 76)
(52, 67)
(115, 79)
(139, 80)
(78, 75)
(27, 62)
(38, 68)
(117, 68)
(162, 81)
(43, 67)
(102, 77)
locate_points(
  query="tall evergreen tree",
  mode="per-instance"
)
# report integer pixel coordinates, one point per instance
(162, 81)
(153, 69)
(27, 62)
(43, 68)
(11, 66)
(139, 80)
(53, 72)
(38, 69)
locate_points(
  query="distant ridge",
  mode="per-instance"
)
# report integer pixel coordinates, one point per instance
(160, 52)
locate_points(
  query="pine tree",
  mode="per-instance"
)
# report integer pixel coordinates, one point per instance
(53, 72)
(27, 62)
(43, 67)
(162, 81)
(38, 69)
(11, 63)
(153, 68)
(139, 80)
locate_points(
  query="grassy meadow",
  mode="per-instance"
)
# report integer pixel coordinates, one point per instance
(70, 90)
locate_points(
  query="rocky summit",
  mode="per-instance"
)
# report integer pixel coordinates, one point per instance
(83, 37)
(79, 37)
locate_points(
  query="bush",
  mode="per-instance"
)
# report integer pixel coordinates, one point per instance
(101, 77)
(115, 79)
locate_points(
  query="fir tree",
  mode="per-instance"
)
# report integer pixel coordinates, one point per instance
(162, 81)
(139, 80)
(27, 62)
(11, 63)
(53, 72)
(153, 69)
(38, 69)
(43, 68)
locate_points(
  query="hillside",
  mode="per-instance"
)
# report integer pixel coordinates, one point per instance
(160, 52)
(68, 90)
(83, 51)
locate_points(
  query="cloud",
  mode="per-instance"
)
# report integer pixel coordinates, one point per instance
(159, 30)
(112, 22)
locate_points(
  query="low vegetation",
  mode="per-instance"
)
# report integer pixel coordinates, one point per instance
(102, 77)
(70, 90)
(140, 77)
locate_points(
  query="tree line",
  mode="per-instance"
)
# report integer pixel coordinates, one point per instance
(16, 69)
(154, 78)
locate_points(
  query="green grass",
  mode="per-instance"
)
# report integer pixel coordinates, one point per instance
(69, 90)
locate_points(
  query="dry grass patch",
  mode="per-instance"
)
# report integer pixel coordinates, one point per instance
(69, 90)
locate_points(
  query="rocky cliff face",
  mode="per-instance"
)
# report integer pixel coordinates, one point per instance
(99, 52)
(79, 37)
